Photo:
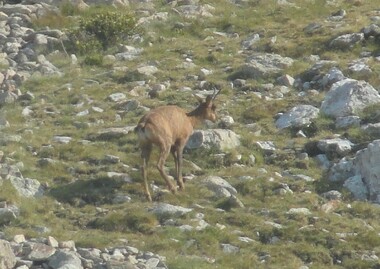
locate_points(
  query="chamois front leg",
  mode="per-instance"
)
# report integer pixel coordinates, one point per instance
(164, 153)
(145, 155)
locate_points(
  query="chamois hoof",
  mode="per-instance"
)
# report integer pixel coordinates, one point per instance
(173, 189)
(149, 198)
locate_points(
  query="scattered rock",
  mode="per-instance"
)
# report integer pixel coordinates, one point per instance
(262, 66)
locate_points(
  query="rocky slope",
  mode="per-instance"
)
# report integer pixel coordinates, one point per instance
(343, 93)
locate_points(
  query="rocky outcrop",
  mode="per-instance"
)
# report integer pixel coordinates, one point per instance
(220, 139)
(366, 164)
(347, 97)
(7, 257)
(49, 253)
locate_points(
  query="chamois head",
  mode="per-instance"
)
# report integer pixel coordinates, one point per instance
(206, 109)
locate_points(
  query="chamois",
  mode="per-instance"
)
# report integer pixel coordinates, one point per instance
(169, 127)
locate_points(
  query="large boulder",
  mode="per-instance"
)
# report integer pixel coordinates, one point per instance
(65, 259)
(366, 164)
(27, 187)
(348, 97)
(7, 258)
(8, 214)
(221, 139)
(298, 116)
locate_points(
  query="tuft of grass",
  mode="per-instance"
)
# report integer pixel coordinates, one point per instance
(131, 221)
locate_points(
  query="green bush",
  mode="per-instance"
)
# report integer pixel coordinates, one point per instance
(100, 31)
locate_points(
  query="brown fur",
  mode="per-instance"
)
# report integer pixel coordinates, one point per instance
(169, 128)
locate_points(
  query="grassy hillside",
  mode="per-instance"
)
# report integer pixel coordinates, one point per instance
(79, 205)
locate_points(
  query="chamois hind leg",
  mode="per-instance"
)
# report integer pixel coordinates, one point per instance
(164, 153)
(179, 162)
(145, 155)
(173, 150)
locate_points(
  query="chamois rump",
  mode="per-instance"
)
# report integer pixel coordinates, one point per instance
(169, 127)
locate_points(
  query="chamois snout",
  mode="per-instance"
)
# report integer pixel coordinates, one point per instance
(211, 114)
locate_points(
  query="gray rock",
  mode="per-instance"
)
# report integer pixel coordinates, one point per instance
(346, 41)
(62, 139)
(336, 145)
(121, 198)
(297, 117)
(65, 259)
(332, 195)
(360, 67)
(92, 254)
(347, 97)
(166, 210)
(7, 97)
(115, 132)
(7, 257)
(299, 211)
(219, 186)
(267, 146)
(366, 165)
(117, 97)
(40, 252)
(113, 264)
(357, 187)
(148, 70)
(323, 161)
(371, 30)
(195, 11)
(250, 41)
(332, 76)
(220, 139)
(286, 80)
(127, 53)
(372, 129)
(261, 66)
(347, 121)
(313, 28)
(7, 215)
(342, 170)
(27, 187)
(230, 249)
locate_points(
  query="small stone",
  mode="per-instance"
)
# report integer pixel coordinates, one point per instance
(19, 238)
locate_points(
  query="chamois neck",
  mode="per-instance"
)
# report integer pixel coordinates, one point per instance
(195, 117)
